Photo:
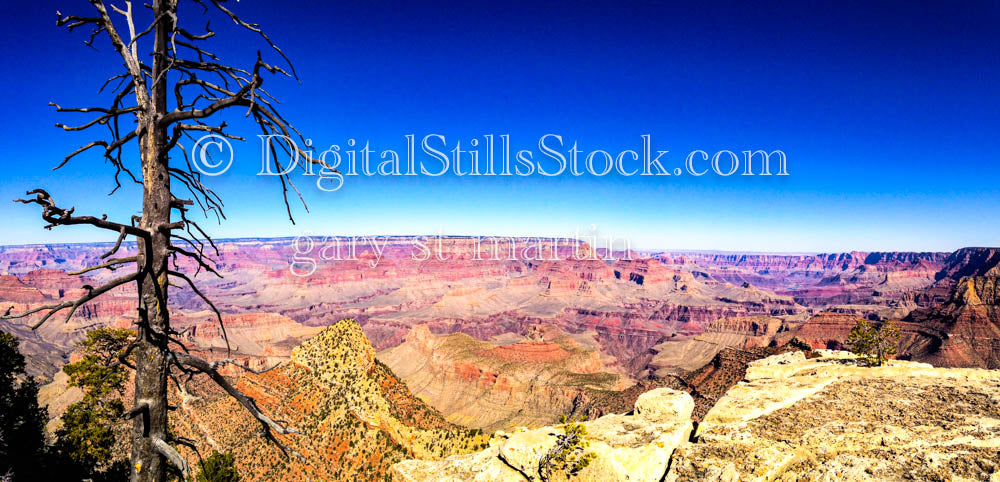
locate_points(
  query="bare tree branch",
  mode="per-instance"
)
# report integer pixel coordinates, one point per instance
(57, 216)
(175, 458)
(110, 265)
(229, 361)
(140, 408)
(268, 425)
(118, 243)
(131, 61)
(92, 293)
(207, 301)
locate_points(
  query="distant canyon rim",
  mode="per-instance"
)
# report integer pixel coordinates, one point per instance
(493, 343)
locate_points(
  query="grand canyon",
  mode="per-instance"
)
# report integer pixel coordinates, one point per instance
(532, 241)
(412, 367)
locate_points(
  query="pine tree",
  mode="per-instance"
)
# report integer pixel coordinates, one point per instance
(874, 344)
(86, 440)
(22, 421)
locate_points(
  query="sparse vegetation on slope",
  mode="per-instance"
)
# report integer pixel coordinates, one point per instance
(357, 418)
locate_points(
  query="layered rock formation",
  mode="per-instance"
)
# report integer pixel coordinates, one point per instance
(706, 384)
(267, 337)
(821, 280)
(483, 288)
(971, 262)
(662, 315)
(963, 332)
(632, 306)
(48, 348)
(965, 262)
(483, 384)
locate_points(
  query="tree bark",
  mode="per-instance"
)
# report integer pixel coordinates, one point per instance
(154, 319)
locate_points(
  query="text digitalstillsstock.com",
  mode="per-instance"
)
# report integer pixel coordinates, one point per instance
(487, 155)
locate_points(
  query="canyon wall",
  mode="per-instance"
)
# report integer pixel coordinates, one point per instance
(656, 318)
(821, 280)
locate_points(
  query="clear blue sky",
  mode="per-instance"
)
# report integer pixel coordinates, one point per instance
(888, 113)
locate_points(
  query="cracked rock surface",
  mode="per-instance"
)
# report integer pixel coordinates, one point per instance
(830, 419)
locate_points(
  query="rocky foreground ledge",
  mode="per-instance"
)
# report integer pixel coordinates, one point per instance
(792, 418)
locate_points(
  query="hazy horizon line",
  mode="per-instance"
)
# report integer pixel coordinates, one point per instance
(459, 236)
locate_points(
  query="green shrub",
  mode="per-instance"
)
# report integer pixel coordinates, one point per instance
(87, 438)
(873, 344)
(569, 456)
(799, 344)
(218, 468)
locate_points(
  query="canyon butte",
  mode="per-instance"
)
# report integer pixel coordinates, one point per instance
(458, 365)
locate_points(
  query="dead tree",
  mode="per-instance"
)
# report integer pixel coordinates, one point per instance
(165, 94)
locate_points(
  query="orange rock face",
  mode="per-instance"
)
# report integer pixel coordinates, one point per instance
(964, 331)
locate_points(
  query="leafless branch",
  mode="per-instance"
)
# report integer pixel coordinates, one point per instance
(139, 408)
(110, 265)
(229, 361)
(118, 243)
(57, 216)
(268, 425)
(52, 309)
(175, 458)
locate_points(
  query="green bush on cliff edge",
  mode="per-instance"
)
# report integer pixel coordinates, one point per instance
(569, 456)
(873, 344)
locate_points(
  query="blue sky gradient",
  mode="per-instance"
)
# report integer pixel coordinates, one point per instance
(888, 112)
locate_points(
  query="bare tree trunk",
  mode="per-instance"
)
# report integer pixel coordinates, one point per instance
(174, 54)
(151, 354)
(148, 464)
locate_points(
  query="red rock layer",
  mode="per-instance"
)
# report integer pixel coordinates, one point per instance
(531, 352)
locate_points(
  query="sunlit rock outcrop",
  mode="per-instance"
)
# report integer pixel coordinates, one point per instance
(830, 419)
(633, 447)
